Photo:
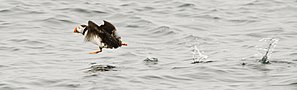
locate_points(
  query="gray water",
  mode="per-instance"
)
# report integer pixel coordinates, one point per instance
(38, 50)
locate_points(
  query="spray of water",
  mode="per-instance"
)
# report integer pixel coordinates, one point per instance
(197, 55)
(149, 57)
(268, 51)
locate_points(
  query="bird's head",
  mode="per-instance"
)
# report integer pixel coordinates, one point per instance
(80, 29)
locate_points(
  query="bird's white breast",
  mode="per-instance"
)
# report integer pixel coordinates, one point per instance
(96, 40)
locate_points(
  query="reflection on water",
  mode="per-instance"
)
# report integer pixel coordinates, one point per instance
(98, 68)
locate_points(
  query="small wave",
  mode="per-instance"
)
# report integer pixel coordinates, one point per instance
(284, 62)
(5, 48)
(27, 41)
(274, 30)
(139, 23)
(52, 20)
(177, 78)
(1, 66)
(57, 21)
(128, 54)
(18, 40)
(11, 87)
(5, 11)
(133, 26)
(162, 31)
(34, 47)
(242, 21)
(149, 77)
(146, 8)
(185, 40)
(97, 11)
(66, 21)
(191, 37)
(295, 83)
(293, 54)
(34, 12)
(81, 10)
(207, 16)
(68, 85)
(129, 4)
(186, 5)
(257, 35)
(142, 21)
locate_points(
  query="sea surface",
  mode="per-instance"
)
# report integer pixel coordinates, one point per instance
(172, 45)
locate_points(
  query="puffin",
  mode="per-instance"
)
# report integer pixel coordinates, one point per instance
(104, 36)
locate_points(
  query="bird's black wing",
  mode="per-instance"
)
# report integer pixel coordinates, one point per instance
(108, 27)
(102, 32)
(92, 31)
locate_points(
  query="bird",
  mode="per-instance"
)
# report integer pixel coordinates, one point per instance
(104, 36)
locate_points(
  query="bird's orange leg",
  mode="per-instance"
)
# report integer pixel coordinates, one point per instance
(124, 44)
(95, 52)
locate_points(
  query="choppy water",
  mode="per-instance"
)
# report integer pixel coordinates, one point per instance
(39, 51)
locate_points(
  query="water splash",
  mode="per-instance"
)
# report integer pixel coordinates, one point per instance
(149, 58)
(198, 57)
(268, 51)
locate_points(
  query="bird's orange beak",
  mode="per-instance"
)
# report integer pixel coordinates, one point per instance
(75, 30)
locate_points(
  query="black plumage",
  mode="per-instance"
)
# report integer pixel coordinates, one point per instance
(106, 32)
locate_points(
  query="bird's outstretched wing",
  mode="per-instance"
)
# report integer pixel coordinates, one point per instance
(108, 27)
(104, 32)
